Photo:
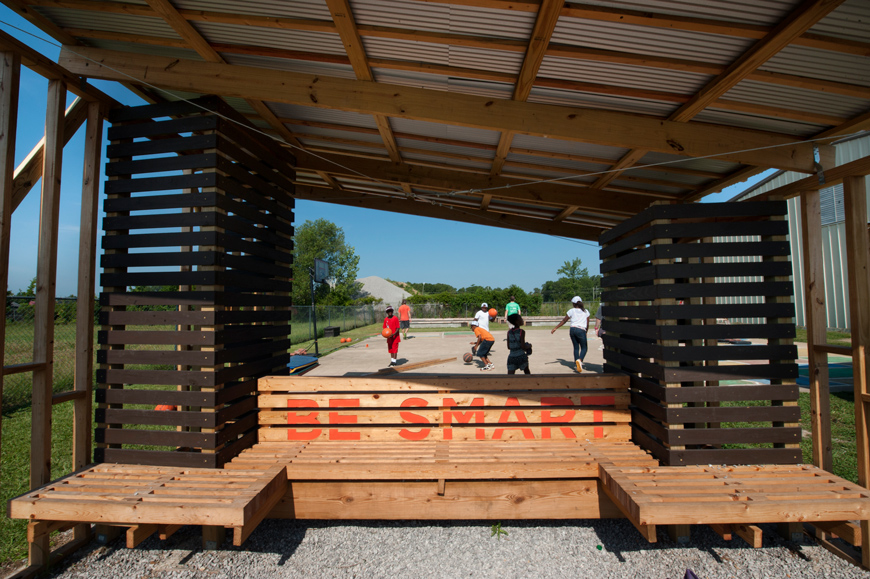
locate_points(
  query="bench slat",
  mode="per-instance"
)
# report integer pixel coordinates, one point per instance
(503, 432)
(451, 384)
(398, 400)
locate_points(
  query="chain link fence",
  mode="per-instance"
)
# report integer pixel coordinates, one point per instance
(20, 328)
(19, 348)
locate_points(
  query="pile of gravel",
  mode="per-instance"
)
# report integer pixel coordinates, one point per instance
(609, 549)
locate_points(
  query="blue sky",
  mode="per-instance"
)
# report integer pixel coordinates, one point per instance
(399, 247)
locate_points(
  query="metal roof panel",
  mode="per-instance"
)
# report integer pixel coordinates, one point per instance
(645, 40)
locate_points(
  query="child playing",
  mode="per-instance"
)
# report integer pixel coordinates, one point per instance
(518, 359)
(392, 322)
(483, 344)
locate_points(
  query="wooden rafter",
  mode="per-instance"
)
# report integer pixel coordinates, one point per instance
(556, 194)
(569, 123)
(29, 171)
(798, 22)
(342, 16)
(477, 74)
(576, 10)
(195, 40)
(548, 15)
(398, 204)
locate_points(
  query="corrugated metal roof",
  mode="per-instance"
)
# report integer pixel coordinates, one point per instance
(758, 122)
(486, 154)
(666, 159)
(146, 49)
(474, 163)
(577, 148)
(301, 40)
(485, 22)
(632, 39)
(763, 12)
(95, 20)
(851, 20)
(567, 164)
(285, 64)
(427, 129)
(820, 64)
(555, 96)
(323, 115)
(409, 50)
(311, 9)
(625, 75)
(798, 99)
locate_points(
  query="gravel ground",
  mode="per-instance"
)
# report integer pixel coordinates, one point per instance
(583, 549)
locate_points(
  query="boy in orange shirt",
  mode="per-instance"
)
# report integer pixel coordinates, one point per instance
(404, 318)
(483, 344)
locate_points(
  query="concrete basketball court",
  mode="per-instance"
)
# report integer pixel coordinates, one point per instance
(551, 354)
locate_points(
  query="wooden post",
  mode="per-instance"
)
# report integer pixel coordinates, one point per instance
(858, 253)
(816, 320)
(46, 276)
(84, 362)
(10, 71)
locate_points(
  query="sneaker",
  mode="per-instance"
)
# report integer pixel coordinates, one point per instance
(579, 365)
(490, 366)
(392, 362)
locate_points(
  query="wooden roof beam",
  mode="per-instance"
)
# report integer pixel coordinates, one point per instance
(164, 9)
(574, 52)
(29, 171)
(577, 10)
(569, 123)
(342, 16)
(545, 23)
(438, 211)
(556, 194)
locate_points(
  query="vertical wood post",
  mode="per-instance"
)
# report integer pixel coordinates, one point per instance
(858, 252)
(46, 277)
(84, 362)
(816, 320)
(10, 72)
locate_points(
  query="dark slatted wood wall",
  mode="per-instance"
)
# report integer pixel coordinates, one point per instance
(199, 208)
(664, 272)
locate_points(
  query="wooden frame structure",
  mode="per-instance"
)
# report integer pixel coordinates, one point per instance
(663, 333)
(478, 143)
(229, 205)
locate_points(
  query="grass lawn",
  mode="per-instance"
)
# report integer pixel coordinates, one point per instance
(844, 447)
(833, 337)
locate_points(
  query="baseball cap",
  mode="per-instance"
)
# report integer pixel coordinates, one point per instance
(483, 305)
(474, 323)
(388, 308)
(576, 299)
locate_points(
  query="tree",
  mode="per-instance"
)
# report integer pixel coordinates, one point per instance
(574, 280)
(324, 240)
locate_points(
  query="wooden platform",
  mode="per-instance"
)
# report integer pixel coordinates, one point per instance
(453, 460)
(148, 495)
(732, 495)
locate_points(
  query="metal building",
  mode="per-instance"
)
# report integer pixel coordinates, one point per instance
(833, 231)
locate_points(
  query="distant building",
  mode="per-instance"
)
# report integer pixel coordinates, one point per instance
(378, 287)
(833, 236)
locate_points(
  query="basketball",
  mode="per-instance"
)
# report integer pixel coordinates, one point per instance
(164, 407)
(467, 357)
(493, 312)
(387, 332)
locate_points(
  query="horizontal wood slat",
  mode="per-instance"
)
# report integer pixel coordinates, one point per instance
(670, 275)
(211, 214)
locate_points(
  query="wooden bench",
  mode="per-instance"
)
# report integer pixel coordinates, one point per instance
(505, 447)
